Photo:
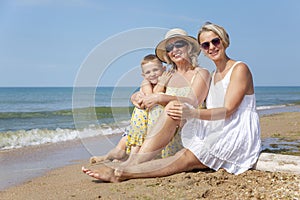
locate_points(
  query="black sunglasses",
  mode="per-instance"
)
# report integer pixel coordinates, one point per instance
(215, 42)
(177, 44)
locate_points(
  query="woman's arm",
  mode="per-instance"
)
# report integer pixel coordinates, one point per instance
(198, 93)
(200, 87)
(241, 83)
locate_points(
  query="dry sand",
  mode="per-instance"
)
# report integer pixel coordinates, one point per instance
(70, 183)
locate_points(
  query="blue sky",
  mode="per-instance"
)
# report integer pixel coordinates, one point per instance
(50, 42)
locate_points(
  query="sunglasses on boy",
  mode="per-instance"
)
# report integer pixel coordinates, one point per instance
(177, 44)
(215, 42)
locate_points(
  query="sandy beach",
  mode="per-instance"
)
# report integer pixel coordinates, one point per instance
(68, 182)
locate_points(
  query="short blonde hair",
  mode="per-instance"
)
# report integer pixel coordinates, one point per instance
(218, 30)
(151, 58)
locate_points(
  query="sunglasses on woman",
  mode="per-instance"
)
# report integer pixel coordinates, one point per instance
(177, 44)
(215, 42)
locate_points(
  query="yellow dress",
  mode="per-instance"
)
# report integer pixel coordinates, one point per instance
(138, 129)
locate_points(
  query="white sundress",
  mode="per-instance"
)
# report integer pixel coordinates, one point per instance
(233, 144)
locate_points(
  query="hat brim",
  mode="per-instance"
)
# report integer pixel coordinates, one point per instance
(161, 52)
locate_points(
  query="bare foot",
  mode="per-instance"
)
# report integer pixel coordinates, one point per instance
(117, 154)
(114, 155)
(96, 159)
(104, 173)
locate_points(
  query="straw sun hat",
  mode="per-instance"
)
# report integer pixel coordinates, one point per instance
(160, 50)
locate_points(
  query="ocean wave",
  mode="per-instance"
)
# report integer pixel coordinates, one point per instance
(297, 103)
(24, 138)
(270, 107)
(100, 112)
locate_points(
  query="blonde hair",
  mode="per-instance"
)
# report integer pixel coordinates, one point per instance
(218, 30)
(151, 58)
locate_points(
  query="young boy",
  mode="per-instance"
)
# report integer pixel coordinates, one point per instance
(155, 80)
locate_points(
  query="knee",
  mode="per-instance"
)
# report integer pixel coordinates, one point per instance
(168, 106)
(190, 160)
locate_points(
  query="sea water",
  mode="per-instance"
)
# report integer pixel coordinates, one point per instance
(39, 115)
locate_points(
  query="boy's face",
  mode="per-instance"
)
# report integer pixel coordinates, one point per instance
(151, 72)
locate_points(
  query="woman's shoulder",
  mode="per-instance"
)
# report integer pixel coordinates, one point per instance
(240, 67)
(202, 71)
(239, 64)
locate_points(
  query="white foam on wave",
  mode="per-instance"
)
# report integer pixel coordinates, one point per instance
(24, 138)
(270, 107)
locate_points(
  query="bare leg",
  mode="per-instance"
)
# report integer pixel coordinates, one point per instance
(117, 153)
(157, 138)
(183, 160)
(134, 150)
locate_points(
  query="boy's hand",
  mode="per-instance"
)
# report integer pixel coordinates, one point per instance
(137, 100)
(151, 100)
(164, 78)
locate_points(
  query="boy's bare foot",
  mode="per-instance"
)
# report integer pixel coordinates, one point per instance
(117, 154)
(114, 155)
(96, 159)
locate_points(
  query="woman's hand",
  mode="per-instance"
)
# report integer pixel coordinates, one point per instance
(181, 111)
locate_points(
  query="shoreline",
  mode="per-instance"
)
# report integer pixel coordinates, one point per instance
(68, 158)
(23, 164)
